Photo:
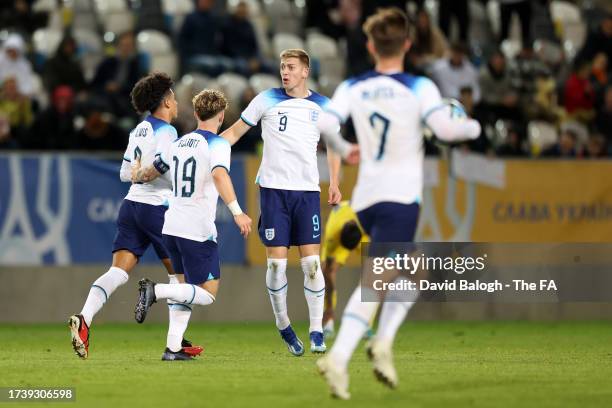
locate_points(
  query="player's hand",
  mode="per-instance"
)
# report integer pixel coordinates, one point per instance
(353, 156)
(334, 195)
(135, 169)
(243, 222)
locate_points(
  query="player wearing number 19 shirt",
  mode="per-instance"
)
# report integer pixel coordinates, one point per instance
(141, 215)
(388, 108)
(288, 178)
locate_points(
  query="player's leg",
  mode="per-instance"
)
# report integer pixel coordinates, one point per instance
(306, 233)
(178, 315)
(330, 268)
(200, 262)
(274, 232)
(399, 222)
(129, 244)
(355, 322)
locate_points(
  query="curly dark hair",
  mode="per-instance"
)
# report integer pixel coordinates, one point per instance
(149, 91)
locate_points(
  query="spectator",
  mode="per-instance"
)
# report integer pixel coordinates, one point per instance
(199, 41)
(481, 144)
(240, 43)
(599, 73)
(513, 145)
(54, 127)
(459, 9)
(579, 97)
(64, 68)
(523, 9)
(499, 98)
(116, 75)
(15, 114)
(429, 42)
(603, 120)
(99, 131)
(454, 73)
(566, 146)
(596, 147)
(319, 16)
(18, 15)
(525, 69)
(598, 41)
(543, 104)
(13, 64)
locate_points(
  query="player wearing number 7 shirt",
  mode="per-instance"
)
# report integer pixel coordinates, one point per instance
(288, 178)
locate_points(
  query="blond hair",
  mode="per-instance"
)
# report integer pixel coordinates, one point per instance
(208, 103)
(296, 53)
(388, 29)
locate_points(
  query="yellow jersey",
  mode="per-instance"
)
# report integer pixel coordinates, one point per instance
(338, 217)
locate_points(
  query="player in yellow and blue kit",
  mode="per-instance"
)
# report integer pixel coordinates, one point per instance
(342, 235)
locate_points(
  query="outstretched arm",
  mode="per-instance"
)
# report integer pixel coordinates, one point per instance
(451, 130)
(224, 186)
(236, 131)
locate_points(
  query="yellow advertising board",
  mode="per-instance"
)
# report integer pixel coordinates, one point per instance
(490, 200)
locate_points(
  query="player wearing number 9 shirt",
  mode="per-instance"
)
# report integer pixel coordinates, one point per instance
(288, 178)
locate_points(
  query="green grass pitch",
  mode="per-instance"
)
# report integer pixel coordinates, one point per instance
(453, 364)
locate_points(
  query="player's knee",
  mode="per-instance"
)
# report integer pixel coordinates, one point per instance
(311, 266)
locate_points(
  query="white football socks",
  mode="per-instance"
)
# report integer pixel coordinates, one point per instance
(394, 311)
(276, 282)
(184, 293)
(179, 319)
(314, 291)
(101, 290)
(355, 322)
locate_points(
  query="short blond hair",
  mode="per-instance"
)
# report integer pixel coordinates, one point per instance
(209, 103)
(296, 53)
(388, 29)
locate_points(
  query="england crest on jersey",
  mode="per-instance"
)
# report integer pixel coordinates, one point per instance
(269, 234)
(314, 115)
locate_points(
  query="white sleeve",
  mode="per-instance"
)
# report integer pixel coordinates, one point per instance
(329, 126)
(340, 103)
(438, 119)
(253, 113)
(220, 153)
(164, 142)
(125, 174)
(447, 129)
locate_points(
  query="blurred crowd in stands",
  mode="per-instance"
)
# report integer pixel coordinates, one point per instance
(536, 74)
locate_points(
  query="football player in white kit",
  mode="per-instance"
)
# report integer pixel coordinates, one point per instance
(141, 215)
(388, 108)
(288, 178)
(199, 165)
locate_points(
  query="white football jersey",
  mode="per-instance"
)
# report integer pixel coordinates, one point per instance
(387, 112)
(150, 136)
(193, 203)
(290, 134)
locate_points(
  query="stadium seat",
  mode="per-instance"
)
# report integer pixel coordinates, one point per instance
(581, 131)
(260, 25)
(511, 48)
(494, 14)
(114, 15)
(277, 9)
(176, 10)
(282, 17)
(44, 6)
(321, 46)
(541, 135)
(154, 42)
(110, 6)
(574, 35)
(548, 51)
(253, 5)
(283, 41)
(91, 50)
(46, 40)
(565, 12)
(261, 82)
(39, 93)
(233, 86)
